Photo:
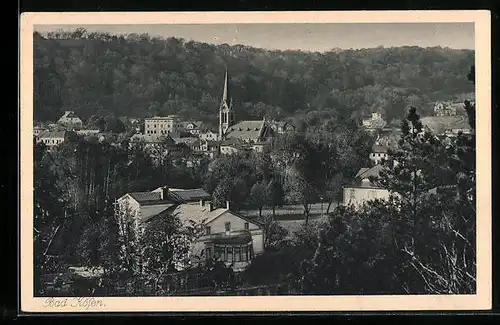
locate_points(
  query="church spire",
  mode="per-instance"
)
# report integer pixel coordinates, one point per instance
(225, 93)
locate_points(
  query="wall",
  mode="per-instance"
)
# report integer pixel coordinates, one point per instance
(359, 195)
(159, 126)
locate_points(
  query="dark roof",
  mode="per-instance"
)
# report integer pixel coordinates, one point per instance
(367, 172)
(145, 197)
(52, 134)
(246, 130)
(189, 195)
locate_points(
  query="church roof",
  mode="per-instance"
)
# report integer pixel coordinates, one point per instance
(246, 130)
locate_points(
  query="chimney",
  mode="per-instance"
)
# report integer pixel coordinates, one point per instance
(227, 205)
(164, 193)
(202, 203)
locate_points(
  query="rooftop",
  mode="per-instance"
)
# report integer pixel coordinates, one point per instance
(195, 212)
(52, 134)
(441, 124)
(246, 130)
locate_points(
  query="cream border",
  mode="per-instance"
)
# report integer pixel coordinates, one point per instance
(480, 301)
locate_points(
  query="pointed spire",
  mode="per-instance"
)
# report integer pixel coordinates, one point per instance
(225, 93)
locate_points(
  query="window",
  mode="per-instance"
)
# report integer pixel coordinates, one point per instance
(237, 254)
(208, 252)
(228, 226)
(247, 225)
(229, 254)
(219, 252)
(207, 230)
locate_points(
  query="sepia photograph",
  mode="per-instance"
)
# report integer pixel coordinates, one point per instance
(246, 159)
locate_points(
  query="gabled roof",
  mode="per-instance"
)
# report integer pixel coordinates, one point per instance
(52, 134)
(376, 148)
(194, 212)
(150, 211)
(246, 130)
(367, 172)
(189, 195)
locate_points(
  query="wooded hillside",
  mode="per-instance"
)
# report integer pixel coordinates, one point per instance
(138, 76)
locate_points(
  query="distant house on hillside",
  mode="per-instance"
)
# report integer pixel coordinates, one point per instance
(379, 154)
(281, 127)
(365, 187)
(192, 127)
(161, 125)
(446, 125)
(449, 109)
(70, 121)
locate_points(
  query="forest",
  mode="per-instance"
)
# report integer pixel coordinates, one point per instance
(139, 76)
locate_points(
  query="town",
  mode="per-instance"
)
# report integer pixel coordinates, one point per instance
(167, 205)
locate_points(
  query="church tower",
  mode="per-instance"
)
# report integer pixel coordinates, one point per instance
(226, 113)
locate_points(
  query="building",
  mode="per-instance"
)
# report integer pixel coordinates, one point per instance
(227, 236)
(37, 130)
(446, 125)
(374, 122)
(249, 131)
(207, 147)
(281, 127)
(379, 154)
(191, 127)
(208, 135)
(449, 108)
(365, 187)
(158, 125)
(52, 138)
(70, 121)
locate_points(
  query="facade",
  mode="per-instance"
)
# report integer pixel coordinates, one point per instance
(365, 188)
(70, 121)
(52, 138)
(207, 147)
(379, 154)
(158, 125)
(282, 127)
(209, 135)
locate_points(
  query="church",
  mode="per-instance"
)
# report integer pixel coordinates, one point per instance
(249, 132)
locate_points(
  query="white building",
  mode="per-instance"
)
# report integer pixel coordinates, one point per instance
(158, 125)
(365, 188)
(70, 120)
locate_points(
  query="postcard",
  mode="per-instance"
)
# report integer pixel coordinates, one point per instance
(255, 161)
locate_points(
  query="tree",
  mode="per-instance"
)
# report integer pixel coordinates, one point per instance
(258, 196)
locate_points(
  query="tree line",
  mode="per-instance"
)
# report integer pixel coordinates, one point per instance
(138, 75)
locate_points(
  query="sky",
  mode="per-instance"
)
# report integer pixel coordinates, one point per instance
(307, 37)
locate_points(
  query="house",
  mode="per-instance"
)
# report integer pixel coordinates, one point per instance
(70, 121)
(88, 132)
(207, 147)
(448, 126)
(226, 236)
(37, 130)
(379, 154)
(449, 109)
(281, 127)
(158, 125)
(208, 135)
(365, 187)
(192, 127)
(52, 138)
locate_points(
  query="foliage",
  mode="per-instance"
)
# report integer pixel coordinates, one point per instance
(138, 75)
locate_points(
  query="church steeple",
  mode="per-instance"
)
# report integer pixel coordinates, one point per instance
(226, 114)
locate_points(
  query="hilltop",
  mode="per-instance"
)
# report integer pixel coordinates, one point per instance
(139, 76)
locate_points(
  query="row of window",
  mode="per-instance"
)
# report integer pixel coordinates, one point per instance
(227, 227)
(52, 141)
(230, 253)
(154, 132)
